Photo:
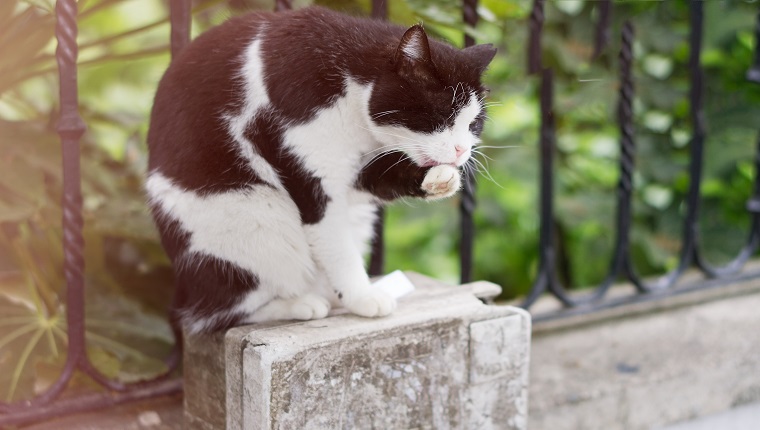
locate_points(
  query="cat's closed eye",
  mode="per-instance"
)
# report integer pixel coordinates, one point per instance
(476, 126)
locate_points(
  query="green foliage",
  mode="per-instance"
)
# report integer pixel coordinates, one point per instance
(124, 51)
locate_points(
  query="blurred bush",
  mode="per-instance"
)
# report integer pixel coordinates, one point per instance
(124, 51)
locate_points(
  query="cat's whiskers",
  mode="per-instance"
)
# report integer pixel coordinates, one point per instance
(405, 157)
(404, 149)
(391, 134)
(380, 149)
(481, 168)
(379, 156)
(498, 147)
(481, 153)
(384, 151)
(412, 203)
(388, 112)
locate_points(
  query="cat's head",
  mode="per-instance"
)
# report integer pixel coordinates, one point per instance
(430, 103)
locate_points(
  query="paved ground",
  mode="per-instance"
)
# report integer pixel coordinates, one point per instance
(164, 413)
(746, 417)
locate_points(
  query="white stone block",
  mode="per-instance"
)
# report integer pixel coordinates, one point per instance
(442, 360)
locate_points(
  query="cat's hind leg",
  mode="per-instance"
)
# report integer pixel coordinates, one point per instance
(305, 307)
(244, 248)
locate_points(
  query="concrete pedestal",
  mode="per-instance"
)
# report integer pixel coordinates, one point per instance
(442, 360)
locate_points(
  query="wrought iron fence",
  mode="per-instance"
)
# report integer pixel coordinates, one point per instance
(71, 127)
(621, 265)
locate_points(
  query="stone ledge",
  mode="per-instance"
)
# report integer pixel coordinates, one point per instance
(442, 360)
(649, 369)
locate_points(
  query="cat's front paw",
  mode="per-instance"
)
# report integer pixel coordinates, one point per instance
(309, 307)
(441, 182)
(375, 303)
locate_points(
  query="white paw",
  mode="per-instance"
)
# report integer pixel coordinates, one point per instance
(375, 303)
(309, 307)
(441, 182)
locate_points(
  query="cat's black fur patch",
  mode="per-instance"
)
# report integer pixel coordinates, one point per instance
(392, 176)
(303, 187)
(188, 141)
(208, 285)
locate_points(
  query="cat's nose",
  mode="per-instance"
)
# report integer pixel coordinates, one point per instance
(460, 150)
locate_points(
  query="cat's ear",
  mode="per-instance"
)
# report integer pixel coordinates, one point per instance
(481, 56)
(412, 57)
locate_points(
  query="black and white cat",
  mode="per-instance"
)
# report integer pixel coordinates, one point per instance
(273, 139)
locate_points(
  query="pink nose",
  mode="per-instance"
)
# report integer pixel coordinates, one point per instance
(460, 150)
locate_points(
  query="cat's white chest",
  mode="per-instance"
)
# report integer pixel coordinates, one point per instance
(331, 144)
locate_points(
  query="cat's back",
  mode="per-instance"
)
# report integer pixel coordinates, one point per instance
(205, 80)
(296, 46)
(187, 134)
(297, 64)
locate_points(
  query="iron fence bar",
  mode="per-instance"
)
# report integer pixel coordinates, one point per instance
(281, 5)
(377, 256)
(546, 257)
(627, 160)
(753, 205)
(467, 205)
(535, 25)
(621, 260)
(547, 273)
(696, 112)
(753, 74)
(603, 27)
(70, 128)
(467, 201)
(380, 9)
(180, 16)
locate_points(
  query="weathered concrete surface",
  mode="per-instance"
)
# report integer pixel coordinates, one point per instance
(648, 371)
(204, 375)
(745, 417)
(442, 360)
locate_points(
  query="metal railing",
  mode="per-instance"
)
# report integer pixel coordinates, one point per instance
(621, 266)
(71, 127)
